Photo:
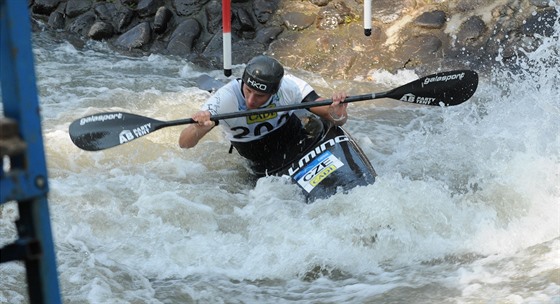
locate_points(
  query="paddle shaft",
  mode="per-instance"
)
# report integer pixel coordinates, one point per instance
(304, 105)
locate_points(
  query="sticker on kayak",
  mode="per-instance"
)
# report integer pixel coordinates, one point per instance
(316, 171)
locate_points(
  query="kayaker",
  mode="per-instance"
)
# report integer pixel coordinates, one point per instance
(269, 141)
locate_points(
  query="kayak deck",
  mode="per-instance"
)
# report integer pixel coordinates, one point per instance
(333, 163)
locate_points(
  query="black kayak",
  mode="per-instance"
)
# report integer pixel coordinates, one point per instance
(333, 163)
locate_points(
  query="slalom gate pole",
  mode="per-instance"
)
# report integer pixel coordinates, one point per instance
(226, 31)
(367, 17)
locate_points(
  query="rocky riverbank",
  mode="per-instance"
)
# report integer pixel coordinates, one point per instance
(321, 36)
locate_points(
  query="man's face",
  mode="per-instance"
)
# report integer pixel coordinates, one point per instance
(253, 98)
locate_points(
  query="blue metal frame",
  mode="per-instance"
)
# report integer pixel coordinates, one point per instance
(26, 181)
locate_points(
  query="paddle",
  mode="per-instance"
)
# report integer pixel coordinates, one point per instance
(105, 130)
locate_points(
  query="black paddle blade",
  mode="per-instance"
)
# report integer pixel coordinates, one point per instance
(105, 130)
(441, 89)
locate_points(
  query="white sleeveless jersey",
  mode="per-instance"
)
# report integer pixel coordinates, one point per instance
(229, 99)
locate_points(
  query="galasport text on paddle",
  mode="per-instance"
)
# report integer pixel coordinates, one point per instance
(106, 130)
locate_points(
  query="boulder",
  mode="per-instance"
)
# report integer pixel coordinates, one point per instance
(146, 8)
(183, 38)
(163, 16)
(136, 37)
(82, 24)
(56, 20)
(432, 20)
(44, 7)
(75, 8)
(101, 30)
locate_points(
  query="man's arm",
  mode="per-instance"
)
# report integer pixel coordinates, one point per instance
(190, 135)
(335, 112)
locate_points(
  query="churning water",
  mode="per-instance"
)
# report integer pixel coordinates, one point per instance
(465, 209)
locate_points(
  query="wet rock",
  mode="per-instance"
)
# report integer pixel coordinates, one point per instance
(243, 24)
(122, 19)
(82, 24)
(163, 15)
(56, 20)
(540, 3)
(188, 7)
(469, 5)
(246, 49)
(329, 18)
(431, 20)
(263, 9)
(182, 39)
(130, 3)
(503, 11)
(75, 8)
(137, 37)
(211, 56)
(214, 16)
(268, 34)
(471, 30)
(45, 7)
(320, 2)
(388, 11)
(296, 21)
(541, 23)
(101, 30)
(335, 56)
(105, 11)
(421, 49)
(147, 8)
(502, 41)
(325, 44)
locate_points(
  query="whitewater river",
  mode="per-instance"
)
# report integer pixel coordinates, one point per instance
(465, 209)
